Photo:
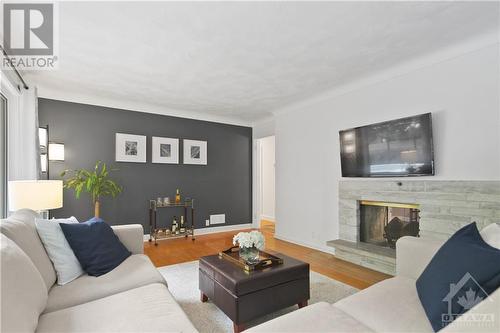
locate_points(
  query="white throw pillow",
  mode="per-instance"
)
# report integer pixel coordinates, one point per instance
(491, 235)
(60, 253)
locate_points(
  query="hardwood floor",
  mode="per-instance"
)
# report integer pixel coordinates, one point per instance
(169, 252)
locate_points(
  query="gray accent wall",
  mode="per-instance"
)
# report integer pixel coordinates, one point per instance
(224, 186)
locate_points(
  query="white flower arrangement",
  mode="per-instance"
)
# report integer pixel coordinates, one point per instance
(250, 239)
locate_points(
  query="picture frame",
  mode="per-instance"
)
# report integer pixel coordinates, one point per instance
(165, 150)
(195, 152)
(130, 148)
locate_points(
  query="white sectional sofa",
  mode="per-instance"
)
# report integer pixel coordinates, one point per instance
(388, 306)
(131, 298)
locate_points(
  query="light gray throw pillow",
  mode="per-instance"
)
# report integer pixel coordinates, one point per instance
(60, 253)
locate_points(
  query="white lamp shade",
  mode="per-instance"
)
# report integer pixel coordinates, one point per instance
(56, 151)
(38, 195)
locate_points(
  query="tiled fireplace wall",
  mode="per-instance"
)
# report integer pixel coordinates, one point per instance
(445, 206)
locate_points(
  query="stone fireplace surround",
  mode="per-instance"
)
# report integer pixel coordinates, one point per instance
(445, 207)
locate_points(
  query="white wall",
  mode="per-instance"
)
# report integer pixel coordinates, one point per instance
(268, 178)
(463, 95)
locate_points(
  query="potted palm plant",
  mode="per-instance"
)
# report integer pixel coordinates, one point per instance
(96, 183)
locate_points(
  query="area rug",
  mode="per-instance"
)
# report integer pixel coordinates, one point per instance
(183, 284)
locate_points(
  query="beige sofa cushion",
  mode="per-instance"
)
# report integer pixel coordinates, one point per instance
(318, 317)
(20, 227)
(146, 309)
(390, 306)
(132, 236)
(23, 290)
(413, 254)
(136, 271)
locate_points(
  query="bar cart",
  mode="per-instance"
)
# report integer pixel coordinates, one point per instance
(156, 233)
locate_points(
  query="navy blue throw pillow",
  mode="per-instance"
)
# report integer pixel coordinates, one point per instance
(463, 272)
(95, 245)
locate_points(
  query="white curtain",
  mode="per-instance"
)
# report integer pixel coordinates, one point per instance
(23, 147)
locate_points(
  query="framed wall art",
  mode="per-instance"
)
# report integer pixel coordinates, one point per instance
(195, 152)
(165, 150)
(130, 148)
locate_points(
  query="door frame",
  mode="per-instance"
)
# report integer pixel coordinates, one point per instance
(258, 185)
(257, 182)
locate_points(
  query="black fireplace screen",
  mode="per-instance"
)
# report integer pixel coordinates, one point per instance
(384, 223)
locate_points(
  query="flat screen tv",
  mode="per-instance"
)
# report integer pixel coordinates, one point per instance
(401, 147)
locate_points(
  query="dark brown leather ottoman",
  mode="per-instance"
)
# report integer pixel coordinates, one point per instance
(245, 296)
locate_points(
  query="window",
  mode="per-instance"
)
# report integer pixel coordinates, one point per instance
(3, 156)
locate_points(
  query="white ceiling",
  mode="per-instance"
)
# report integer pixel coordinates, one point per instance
(243, 60)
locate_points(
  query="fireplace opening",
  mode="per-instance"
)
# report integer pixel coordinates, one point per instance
(383, 223)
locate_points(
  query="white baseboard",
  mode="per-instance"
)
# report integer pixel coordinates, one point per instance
(325, 249)
(213, 230)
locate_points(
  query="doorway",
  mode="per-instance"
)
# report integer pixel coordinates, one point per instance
(265, 176)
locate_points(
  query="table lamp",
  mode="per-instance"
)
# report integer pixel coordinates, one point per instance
(38, 195)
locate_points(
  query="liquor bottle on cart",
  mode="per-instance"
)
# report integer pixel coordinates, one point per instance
(182, 227)
(177, 197)
(175, 226)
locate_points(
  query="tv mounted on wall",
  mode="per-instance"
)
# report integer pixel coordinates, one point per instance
(401, 147)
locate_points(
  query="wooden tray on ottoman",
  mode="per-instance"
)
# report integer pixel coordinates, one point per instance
(266, 259)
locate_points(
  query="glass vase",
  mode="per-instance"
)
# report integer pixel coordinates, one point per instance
(249, 254)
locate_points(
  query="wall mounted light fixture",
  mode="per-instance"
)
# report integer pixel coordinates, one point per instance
(56, 151)
(43, 137)
(43, 163)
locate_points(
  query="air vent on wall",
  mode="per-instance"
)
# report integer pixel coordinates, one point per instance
(218, 219)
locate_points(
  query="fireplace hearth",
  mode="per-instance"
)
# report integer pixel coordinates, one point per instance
(444, 206)
(383, 223)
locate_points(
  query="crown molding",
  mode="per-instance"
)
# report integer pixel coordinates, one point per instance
(68, 96)
(490, 39)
